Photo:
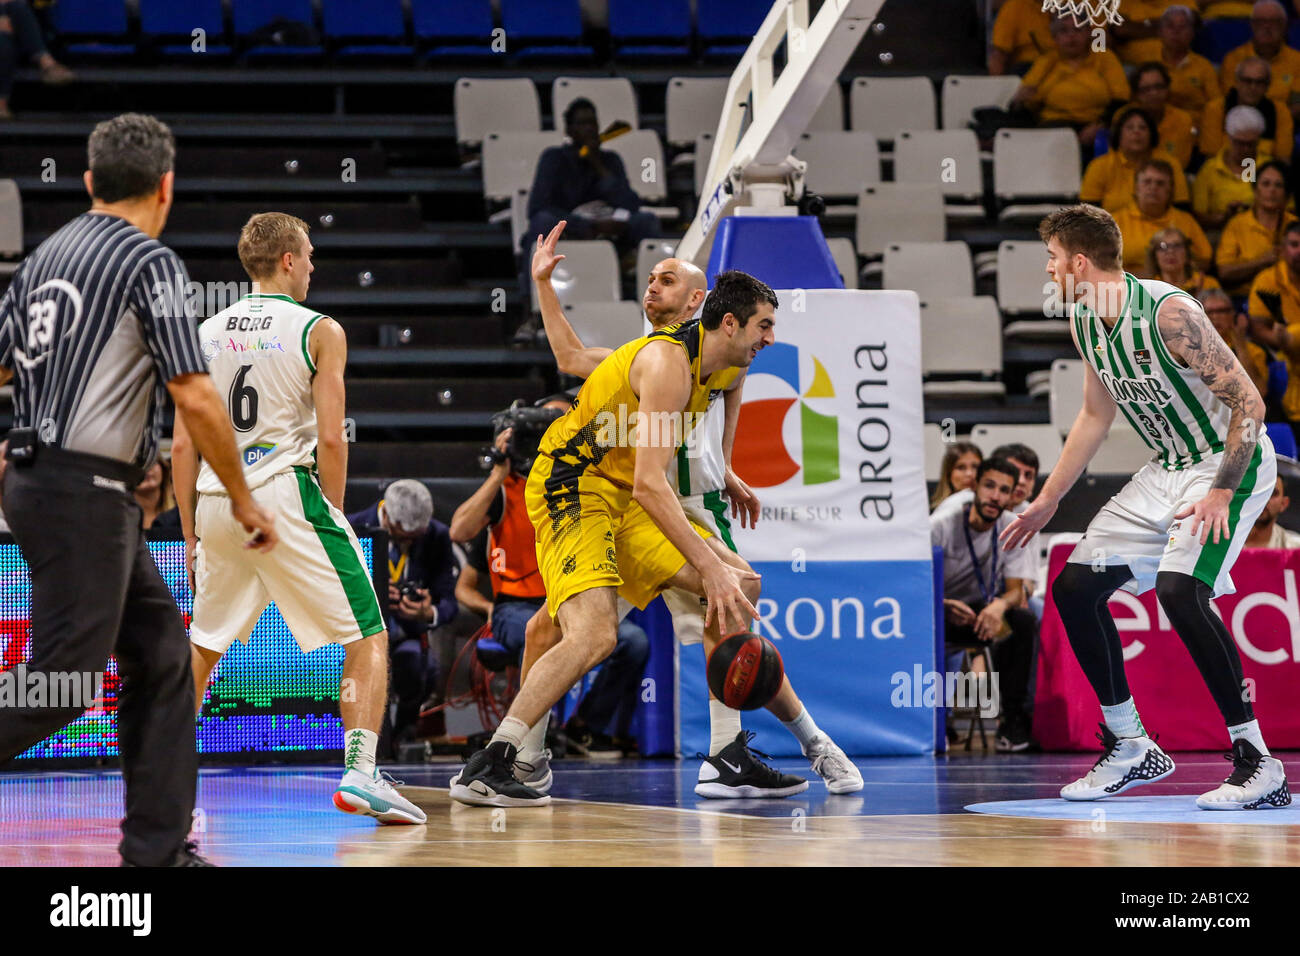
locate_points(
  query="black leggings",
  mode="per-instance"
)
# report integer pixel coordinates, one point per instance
(24, 41)
(1081, 594)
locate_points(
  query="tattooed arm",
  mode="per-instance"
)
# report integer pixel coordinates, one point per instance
(1193, 340)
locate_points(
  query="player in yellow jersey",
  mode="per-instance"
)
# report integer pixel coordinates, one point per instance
(609, 523)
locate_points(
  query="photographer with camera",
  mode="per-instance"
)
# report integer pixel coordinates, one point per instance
(510, 560)
(422, 570)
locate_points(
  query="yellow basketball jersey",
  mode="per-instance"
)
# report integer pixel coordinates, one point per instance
(598, 435)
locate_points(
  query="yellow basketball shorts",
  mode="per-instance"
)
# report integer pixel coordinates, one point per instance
(591, 534)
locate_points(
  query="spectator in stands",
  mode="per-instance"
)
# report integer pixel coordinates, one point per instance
(1252, 239)
(1274, 310)
(1268, 25)
(1233, 326)
(1222, 186)
(1151, 211)
(154, 494)
(1073, 85)
(1193, 81)
(1176, 130)
(984, 590)
(1278, 138)
(21, 41)
(601, 725)
(1109, 179)
(422, 571)
(1139, 33)
(1267, 533)
(1022, 33)
(1168, 261)
(957, 472)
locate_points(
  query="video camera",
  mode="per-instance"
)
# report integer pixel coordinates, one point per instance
(528, 424)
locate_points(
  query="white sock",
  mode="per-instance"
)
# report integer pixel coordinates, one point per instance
(512, 731)
(1250, 731)
(803, 727)
(724, 726)
(359, 751)
(535, 739)
(1123, 720)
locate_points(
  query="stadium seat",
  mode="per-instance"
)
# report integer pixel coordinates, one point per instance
(605, 324)
(612, 96)
(547, 29)
(839, 164)
(898, 212)
(165, 20)
(935, 270)
(648, 254)
(510, 160)
(703, 153)
(962, 95)
(1035, 165)
(381, 22)
(1217, 38)
(249, 16)
(694, 104)
(1283, 438)
(935, 447)
(655, 31)
(830, 115)
(1121, 452)
(589, 272)
(11, 226)
(1065, 396)
(1023, 290)
(846, 260)
(506, 104)
(726, 27)
(453, 29)
(886, 105)
(961, 337)
(93, 28)
(1043, 439)
(647, 173)
(948, 157)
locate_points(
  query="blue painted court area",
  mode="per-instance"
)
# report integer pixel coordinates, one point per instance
(1139, 809)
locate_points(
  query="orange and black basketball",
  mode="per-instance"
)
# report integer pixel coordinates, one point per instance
(745, 671)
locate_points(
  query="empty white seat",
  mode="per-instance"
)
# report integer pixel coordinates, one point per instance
(935, 447)
(11, 225)
(962, 336)
(839, 163)
(643, 161)
(933, 269)
(1025, 288)
(949, 157)
(885, 105)
(1043, 439)
(1035, 164)
(648, 254)
(1122, 452)
(846, 260)
(830, 115)
(589, 272)
(962, 95)
(502, 105)
(898, 212)
(694, 106)
(510, 160)
(605, 324)
(612, 96)
(1065, 394)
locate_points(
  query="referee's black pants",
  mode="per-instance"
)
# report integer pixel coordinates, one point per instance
(96, 591)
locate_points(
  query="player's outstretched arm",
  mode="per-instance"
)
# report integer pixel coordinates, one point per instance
(572, 357)
(1191, 338)
(329, 347)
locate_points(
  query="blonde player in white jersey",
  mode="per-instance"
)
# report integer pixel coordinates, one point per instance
(1150, 351)
(701, 475)
(280, 366)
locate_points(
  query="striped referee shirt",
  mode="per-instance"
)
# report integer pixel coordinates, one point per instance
(94, 324)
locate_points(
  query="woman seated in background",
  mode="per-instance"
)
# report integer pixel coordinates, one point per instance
(1252, 239)
(1109, 179)
(957, 472)
(155, 497)
(1168, 261)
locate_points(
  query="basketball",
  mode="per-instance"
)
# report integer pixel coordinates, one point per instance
(745, 671)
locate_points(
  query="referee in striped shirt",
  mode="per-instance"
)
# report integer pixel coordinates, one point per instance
(96, 331)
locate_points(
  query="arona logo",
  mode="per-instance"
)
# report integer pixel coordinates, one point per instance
(761, 457)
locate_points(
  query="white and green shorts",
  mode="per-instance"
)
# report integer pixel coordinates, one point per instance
(316, 575)
(1138, 528)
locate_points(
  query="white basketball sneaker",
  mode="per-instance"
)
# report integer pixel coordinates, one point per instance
(1257, 782)
(1128, 762)
(830, 763)
(375, 797)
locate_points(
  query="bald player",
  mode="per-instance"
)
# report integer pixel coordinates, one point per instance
(701, 475)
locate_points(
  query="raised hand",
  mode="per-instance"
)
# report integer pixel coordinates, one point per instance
(544, 258)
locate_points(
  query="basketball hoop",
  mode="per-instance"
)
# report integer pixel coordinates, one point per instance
(1096, 12)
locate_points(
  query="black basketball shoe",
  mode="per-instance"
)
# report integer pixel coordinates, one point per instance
(488, 780)
(187, 855)
(736, 773)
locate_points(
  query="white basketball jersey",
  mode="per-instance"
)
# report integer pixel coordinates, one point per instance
(698, 467)
(256, 352)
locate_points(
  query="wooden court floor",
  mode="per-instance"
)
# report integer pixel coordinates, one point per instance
(913, 812)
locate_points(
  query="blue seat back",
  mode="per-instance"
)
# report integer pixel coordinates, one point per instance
(729, 19)
(542, 19)
(452, 18)
(250, 15)
(363, 18)
(1217, 38)
(1283, 438)
(661, 20)
(168, 18)
(91, 17)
